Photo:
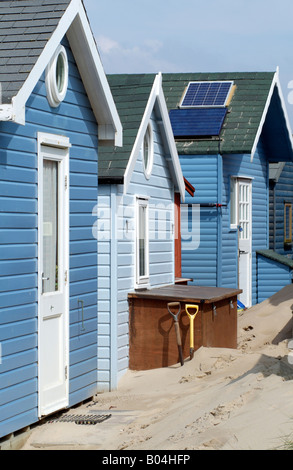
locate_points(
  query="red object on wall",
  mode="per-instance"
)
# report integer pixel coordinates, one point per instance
(190, 189)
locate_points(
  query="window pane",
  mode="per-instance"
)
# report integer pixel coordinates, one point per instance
(142, 240)
(60, 73)
(50, 226)
(233, 203)
(146, 150)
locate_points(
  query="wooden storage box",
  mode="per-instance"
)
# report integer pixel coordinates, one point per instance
(152, 333)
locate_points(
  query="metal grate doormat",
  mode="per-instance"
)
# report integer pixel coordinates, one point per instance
(81, 419)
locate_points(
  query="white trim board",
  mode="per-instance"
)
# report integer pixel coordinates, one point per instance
(275, 82)
(156, 95)
(75, 24)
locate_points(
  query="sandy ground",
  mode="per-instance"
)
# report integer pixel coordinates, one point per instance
(223, 399)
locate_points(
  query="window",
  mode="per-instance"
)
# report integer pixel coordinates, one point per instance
(57, 77)
(287, 222)
(148, 151)
(240, 205)
(51, 232)
(233, 203)
(142, 243)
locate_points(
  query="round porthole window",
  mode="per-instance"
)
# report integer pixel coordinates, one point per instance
(57, 77)
(148, 151)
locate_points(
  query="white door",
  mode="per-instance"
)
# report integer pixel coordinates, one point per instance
(53, 279)
(244, 240)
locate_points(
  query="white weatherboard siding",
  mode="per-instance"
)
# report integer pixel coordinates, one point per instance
(113, 302)
(104, 286)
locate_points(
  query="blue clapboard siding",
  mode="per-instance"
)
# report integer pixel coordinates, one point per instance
(113, 292)
(241, 165)
(18, 250)
(272, 234)
(215, 261)
(282, 190)
(200, 263)
(272, 277)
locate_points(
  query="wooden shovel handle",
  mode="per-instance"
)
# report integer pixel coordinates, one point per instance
(178, 336)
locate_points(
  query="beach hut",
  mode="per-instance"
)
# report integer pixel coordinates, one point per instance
(280, 251)
(281, 200)
(228, 128)
(136, 214)
(56, 109)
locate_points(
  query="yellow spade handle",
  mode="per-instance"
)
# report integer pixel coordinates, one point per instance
(191, 317)
(193, 307)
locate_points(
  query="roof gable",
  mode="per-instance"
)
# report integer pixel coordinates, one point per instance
(136, 96)
(246, 116)
(30, 33)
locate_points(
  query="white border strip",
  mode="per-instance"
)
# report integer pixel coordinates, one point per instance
(275, 82)
(156, 94)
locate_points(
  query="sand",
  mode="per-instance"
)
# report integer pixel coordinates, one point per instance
(223, 399)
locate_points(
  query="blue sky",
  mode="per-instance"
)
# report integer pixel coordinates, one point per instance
(196, 36)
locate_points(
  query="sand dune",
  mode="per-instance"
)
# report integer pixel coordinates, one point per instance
(222, 399)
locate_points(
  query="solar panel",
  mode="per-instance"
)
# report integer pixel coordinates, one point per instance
(200, 122)
(206, 94)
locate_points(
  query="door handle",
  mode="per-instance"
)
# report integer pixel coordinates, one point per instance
(242, 252)
(43, 280)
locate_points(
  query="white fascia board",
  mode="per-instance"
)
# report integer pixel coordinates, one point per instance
(90, 67)
(140, 136)
(75, 24)
(156, 94)
(263, 118)
(283, 103)
(170, 137)
(275, 82)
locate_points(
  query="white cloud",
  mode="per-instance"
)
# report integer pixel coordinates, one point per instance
(106, 45)
(139, 58)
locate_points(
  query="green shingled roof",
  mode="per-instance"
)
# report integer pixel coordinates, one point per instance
(244, 111)
(131, 94)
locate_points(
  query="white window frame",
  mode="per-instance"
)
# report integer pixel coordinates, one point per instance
(234, 202)
(142, 282)
(234, 180)
(149, 136)
(54, 95)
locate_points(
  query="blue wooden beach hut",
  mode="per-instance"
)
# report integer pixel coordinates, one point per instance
(56, 108)
(136, 212)
(281, 200)
(280, 251)
(228, 128)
